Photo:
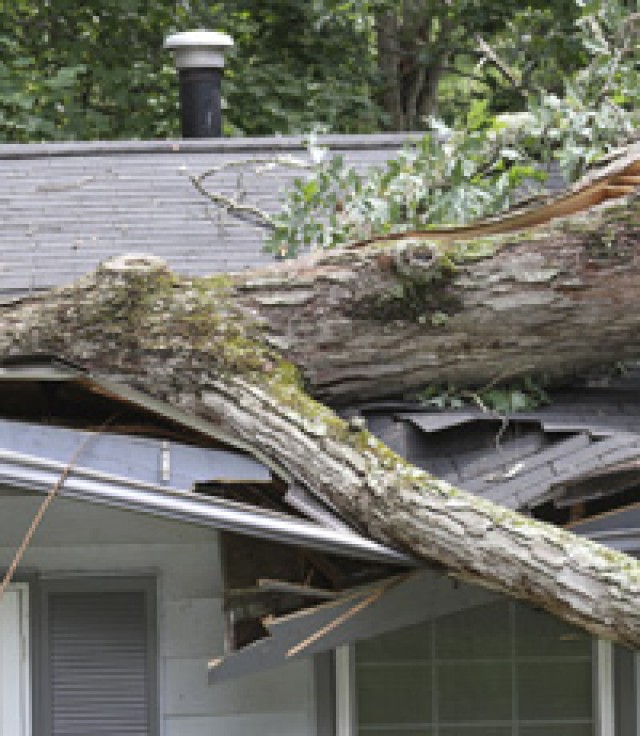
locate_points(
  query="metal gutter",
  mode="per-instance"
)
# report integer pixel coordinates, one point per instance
(38, 474)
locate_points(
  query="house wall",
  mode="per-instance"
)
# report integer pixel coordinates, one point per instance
(78, 539)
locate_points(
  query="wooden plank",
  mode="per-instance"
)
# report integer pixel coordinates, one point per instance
(346, 616)
(423, 596)
(618, 190)
(627, 179)
(267, 585)
(625, 518)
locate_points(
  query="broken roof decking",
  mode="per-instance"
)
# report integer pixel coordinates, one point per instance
(584, 446)
(34, 457)
(68, 206)
(385, 606)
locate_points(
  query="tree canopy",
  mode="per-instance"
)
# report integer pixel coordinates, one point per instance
(98, 69)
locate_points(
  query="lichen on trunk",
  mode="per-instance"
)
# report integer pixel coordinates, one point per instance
(256, 352)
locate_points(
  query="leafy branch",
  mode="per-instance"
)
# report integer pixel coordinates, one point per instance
(457, 175)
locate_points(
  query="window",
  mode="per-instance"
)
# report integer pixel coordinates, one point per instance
(501, 669)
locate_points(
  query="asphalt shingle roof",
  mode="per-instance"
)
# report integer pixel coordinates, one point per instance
(582, 431)
(68, 206)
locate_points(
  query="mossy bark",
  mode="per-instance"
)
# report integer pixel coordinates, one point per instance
(251, 352)
(553, 301)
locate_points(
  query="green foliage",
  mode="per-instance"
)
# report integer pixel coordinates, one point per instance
(89, 70)
(457, 175)
(473, 174)
(524, 395)
(98, 69)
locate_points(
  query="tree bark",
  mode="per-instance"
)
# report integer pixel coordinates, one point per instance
(363, 322)
(405, 36)
(387, 321)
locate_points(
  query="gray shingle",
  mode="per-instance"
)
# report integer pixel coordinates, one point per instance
(68, 206)
(501, 491)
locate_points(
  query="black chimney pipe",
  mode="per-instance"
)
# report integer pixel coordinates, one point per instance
(199, 58)
(200, 103)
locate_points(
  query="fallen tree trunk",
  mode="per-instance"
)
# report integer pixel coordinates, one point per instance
(239, 351)
(390, 320)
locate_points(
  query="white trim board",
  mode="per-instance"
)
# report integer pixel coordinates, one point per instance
(15, 675)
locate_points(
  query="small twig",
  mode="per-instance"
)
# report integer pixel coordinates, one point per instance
(476, 397)
(235, 206)
(499, 63)
(260, 164)
(248, 213)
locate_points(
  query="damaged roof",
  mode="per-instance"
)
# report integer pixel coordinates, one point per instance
(575, 462)
(70, 206)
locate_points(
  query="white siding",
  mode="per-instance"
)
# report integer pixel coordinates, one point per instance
(82, 539)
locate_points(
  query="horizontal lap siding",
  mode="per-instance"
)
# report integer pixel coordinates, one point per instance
(99, 664)
(78, 540)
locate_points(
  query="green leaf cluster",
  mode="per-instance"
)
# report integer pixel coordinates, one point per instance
(486, 163)
(524, 395)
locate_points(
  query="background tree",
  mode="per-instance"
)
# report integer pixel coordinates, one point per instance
(97, 69)
(426, 47)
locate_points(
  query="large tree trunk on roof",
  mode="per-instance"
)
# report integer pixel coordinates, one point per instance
(369, 322)
(373, 322)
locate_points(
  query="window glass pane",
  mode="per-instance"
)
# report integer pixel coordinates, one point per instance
(550, 690)
(411, 643)
(474, 691)
(538, 635)
(557, 729)
(394, 694)
(478, 632)
(493, 667)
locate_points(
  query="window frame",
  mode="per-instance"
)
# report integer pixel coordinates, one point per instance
(24, 590)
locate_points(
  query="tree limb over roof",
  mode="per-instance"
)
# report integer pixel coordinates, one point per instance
(617, 175)
(249, 352)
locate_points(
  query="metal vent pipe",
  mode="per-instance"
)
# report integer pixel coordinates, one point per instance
(199, 58)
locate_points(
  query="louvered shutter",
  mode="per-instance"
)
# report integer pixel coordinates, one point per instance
(98, 664)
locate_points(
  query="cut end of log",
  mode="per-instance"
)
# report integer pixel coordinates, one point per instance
(134, 263)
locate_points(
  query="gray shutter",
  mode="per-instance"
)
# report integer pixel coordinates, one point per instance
(98, 664)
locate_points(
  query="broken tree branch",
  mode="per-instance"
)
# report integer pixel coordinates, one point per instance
(249, 352)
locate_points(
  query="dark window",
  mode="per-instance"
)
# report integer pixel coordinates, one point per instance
(500, 669)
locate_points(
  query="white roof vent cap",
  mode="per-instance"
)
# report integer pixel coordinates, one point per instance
(199, 49)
